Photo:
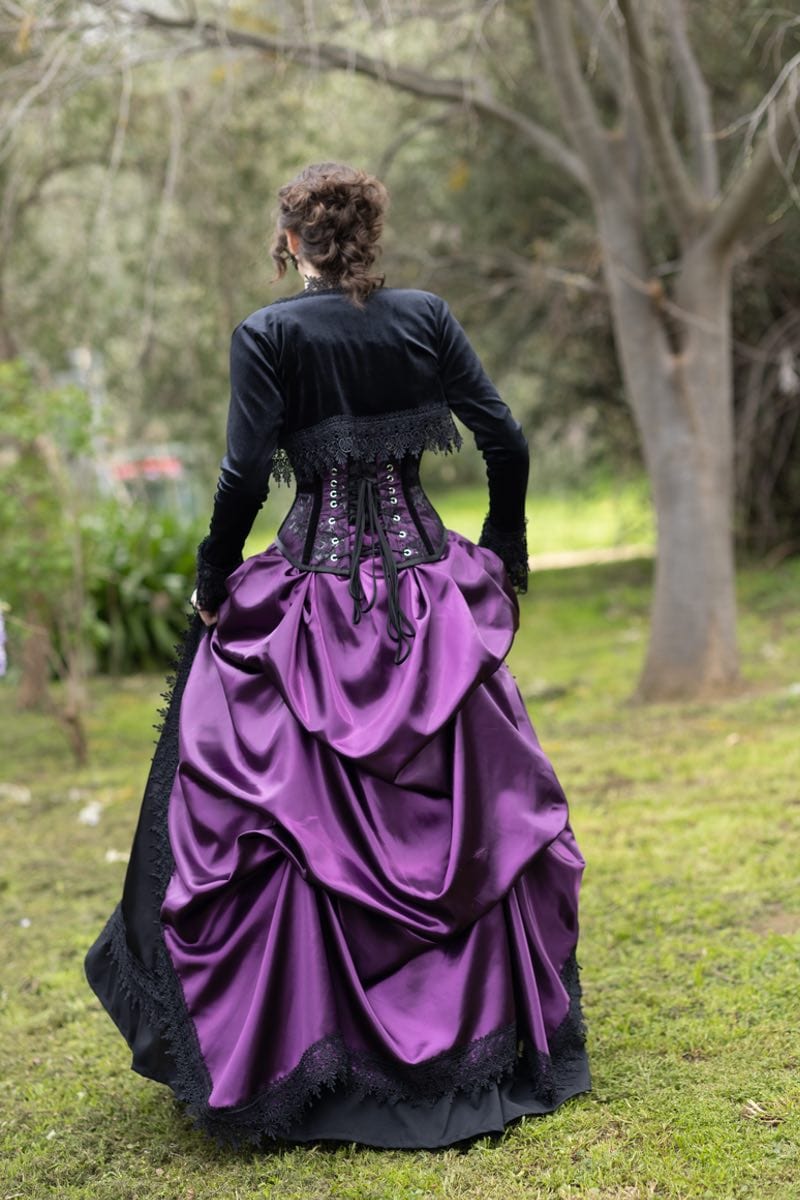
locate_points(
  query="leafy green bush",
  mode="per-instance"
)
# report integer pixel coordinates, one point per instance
(44, 434)
(45, 446)
(143, 566)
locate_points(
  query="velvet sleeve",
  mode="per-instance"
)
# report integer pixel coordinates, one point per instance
(255, 419)
(498, 435)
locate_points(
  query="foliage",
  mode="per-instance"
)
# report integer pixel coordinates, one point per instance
(690, 930)
(45, 439)
(105, 581)
(767, 355)
(143, 572)
(138, 207)
(215, 93)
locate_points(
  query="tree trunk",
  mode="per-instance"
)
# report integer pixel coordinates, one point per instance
(8, 344)
(676, 363)
(33, 692)
(71, 712)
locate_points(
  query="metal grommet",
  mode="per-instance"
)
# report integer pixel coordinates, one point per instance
(335, 541)
(407, 551)
(395, 516)
(390, 466)
(334, 558)
(331, 520)
(392, 491)
(393, 499)
(402, 533)
(334, 504)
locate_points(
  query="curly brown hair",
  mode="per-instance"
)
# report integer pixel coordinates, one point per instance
(337, 213)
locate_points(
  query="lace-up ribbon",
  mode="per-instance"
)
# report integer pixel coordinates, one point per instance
(368, 521)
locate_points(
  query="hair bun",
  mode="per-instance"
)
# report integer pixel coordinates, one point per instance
(337, 212)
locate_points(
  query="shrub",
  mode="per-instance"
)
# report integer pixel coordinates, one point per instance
(143, 565)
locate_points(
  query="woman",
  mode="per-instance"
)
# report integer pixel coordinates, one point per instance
(351, 906)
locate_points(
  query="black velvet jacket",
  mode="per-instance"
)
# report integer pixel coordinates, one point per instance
(316, 381)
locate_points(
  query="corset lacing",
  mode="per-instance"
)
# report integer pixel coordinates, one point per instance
(368, 520)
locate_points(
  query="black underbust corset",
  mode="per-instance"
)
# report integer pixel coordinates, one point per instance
(366, 509)
(360, 509)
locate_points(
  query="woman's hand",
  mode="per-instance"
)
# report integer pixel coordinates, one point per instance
(206, 617)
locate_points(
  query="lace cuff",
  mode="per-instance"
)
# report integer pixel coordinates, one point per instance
(211, 589)
(512, 547)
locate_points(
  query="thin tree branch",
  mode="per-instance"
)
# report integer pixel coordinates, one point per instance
(742, 200)
(115, 157)
(574, 98)
(682, 202)
(606, 46)
(68, 163)
(58, 55)
(468, 92)
(169, 186)
(407, 134)
(697, 101)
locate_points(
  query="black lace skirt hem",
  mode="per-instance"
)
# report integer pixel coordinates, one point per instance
(335, 1094)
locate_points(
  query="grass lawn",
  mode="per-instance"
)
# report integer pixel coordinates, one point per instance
(689, 817)
(607, 512)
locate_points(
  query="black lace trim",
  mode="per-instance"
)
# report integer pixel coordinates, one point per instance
(183, 652)
(159, 994)
(211, 589)
(567, 1058)
(331, 442)
(327, 1063)
(322, 283)
(512, 548)
(474, 1067)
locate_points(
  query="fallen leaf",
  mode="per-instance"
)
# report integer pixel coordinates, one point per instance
(753, 1111)
(91, 813)
(17, 792)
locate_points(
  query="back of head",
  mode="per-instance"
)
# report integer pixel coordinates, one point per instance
(337, 213)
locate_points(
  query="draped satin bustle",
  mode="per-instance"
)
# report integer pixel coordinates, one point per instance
(371, 887)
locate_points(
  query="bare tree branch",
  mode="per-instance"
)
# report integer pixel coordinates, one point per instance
(752, 120)
(578, 109)
(115, 157)
(609, 49)
(407, 134)
(468, 92)
(682, 202)
(697, 101)
(742, 201)
(605, 45)
(58, 55)
(169, 186)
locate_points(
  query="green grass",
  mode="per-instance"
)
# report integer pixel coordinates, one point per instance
(689, 817)
(607, 512)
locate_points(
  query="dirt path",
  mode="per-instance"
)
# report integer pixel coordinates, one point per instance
(585, 558)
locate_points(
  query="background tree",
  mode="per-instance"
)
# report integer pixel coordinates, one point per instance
(650, 190)
(610, 99)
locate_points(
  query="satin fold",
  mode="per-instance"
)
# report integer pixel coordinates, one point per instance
(363, 851)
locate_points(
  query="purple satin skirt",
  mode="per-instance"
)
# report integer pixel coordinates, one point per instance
(351, 909)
